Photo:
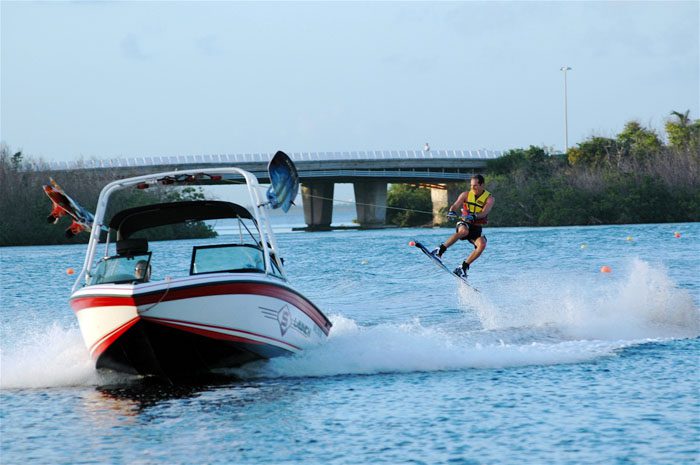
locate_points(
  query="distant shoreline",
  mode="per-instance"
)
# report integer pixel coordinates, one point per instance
(297, 229)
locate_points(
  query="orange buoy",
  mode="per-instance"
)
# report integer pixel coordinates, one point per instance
(605, 269)
(630, 238)
(70, 271)
(412, 243)
(676, 234)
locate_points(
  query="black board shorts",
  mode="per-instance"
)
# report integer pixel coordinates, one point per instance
(474, 232)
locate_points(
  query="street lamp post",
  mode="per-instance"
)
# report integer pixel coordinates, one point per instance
(566, 112)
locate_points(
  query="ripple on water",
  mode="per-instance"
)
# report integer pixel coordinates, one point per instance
(552, 362)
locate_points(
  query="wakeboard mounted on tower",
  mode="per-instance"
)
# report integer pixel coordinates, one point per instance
(284, 182)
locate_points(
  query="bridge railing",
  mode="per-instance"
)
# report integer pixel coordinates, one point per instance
(396, 155)
(169, 160)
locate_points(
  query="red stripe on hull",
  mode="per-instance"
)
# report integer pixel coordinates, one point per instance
(204, 290)
(103, 344)
(80, 303)
(182, 325)
(221, 336)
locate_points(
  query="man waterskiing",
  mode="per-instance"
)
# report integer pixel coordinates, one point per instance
(474, 206)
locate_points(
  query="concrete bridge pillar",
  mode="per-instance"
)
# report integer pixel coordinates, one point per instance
(370, 198)
(443, 198)
(317, 199)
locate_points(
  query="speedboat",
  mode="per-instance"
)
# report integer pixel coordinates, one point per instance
(234, 305)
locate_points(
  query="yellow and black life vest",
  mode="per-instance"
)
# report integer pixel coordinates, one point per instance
(476, 205)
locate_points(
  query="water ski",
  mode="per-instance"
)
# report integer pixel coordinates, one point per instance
(62, 205)
(439, 263)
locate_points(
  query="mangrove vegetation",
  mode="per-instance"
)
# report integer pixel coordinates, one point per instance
(24, 207)
(637, 176)
(634, 177)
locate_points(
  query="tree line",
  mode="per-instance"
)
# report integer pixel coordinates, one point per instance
(634, 177)
(24, 207)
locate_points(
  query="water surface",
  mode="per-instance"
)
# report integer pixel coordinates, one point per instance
(551, 362)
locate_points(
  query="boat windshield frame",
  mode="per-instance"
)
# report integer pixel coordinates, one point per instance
(124, 276)
(248, 258)
(194, 177)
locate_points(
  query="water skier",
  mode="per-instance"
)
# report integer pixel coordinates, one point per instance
(474, 205)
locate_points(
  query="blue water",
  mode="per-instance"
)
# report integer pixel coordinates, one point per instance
(551, 362)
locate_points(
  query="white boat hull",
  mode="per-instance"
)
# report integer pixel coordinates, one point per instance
(195, 325)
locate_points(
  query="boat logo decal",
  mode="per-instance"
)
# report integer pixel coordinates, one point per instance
(283, 317)
(302, 327)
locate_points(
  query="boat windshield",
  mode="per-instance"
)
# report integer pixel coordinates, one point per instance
(121, 269)
(228, 258)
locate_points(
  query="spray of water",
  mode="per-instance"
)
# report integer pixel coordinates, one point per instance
(524, 320)
(642, 303)
(410, 347)
(52, 356)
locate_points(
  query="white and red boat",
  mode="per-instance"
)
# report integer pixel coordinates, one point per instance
(234, 305)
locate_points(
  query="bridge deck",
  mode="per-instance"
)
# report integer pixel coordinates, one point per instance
(298, 157)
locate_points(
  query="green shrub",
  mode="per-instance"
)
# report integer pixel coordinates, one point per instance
(409, 205)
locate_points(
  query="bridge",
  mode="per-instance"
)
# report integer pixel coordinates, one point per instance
(369, 171)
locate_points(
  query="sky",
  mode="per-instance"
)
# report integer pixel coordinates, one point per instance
(88, 79)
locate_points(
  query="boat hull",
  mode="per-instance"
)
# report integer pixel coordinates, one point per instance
(195, 325)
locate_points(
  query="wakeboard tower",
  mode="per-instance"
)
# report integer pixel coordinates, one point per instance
(284, 187)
